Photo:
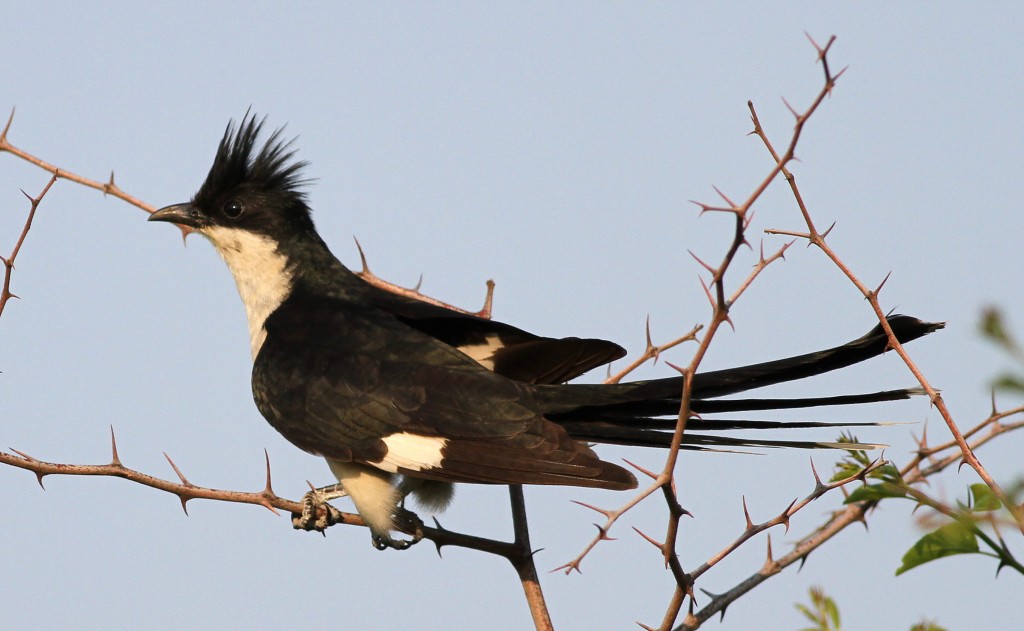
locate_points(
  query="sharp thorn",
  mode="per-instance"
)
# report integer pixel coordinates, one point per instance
(114, 459)
(268, 489)
(362, 256)
(184, 480)
(593, 508)
(646, 472)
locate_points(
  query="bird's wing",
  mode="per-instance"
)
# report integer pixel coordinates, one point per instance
(505, 349)
(355, 384)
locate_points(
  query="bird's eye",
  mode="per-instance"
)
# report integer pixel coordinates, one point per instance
(233, 209)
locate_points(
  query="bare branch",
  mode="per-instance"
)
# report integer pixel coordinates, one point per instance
(5, 293)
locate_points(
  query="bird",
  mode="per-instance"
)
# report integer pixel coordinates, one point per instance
(405, 398)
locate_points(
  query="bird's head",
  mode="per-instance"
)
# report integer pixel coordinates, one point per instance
(250, 191)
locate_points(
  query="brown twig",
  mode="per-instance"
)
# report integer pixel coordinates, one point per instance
(721, 304)
(107, 188)
(377, 281)
(5, 293)
(267, 498)
(818, 239)
(524, 564)
(912, 473)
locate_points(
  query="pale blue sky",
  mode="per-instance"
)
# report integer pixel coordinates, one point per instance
(553, 148)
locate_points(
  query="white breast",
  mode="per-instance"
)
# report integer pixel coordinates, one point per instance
(261, 274)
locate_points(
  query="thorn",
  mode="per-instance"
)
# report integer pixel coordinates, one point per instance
(39, 475)
(3, 134)
(882, 284)
(485, 312)
(184, 481)
(362, 257)
(769, 560)
(792, 111)
(607, 514)
(657, 544)
(724, 197)
(827, 231)
(813, 43)
(702, 263)
(647, 333)
(114, 460)
(419, 283)
(649, 474)
(268, 489)
(803, 560)
(603, 536)
(24, 455)
(786, 515)
(707, 293)
(710, 595)
(438, 544)
(679, 369)
(817, 479)
(746, 514)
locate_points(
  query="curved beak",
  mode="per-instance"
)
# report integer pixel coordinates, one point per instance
(181, 214)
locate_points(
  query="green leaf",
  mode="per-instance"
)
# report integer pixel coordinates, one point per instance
(984, 499)
(954, 538)
(1007, 381)
(992, 327)
(872, 492)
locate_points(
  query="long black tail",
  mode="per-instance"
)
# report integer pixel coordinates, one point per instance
(643, 412)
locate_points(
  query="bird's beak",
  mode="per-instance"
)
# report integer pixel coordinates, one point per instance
(182, 214)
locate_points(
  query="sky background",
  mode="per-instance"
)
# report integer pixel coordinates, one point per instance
(553, 148)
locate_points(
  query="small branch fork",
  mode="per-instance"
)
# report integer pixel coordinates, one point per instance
(185, 491)
(721, 304)
(818, 239)
(5, 293)
(414, 293)
(927, 462)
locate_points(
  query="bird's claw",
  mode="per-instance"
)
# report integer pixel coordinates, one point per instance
(317, 515)
(407, 522)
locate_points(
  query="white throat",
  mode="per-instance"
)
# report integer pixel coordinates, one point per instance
(261, 274)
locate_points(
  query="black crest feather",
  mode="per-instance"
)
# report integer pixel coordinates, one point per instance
(237, 165)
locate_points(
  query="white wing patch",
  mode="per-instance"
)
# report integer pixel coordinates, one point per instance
(483, 353)
(412, 452)
(261, 274)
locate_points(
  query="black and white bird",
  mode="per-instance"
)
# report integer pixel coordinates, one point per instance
(405, 397)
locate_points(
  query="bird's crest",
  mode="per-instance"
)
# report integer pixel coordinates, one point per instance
(238, 165)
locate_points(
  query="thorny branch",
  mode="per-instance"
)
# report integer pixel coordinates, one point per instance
(5, 293)
(912, 473)
(818, 239)
(927, 462)
(721, 304)
(516, 552)
(108, 187)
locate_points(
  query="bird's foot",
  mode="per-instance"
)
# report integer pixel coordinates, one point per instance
(317, 515)
(406, 521)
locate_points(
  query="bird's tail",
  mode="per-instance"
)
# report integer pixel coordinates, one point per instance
(644, 412)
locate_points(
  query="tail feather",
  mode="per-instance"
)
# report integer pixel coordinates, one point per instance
(629, 413)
